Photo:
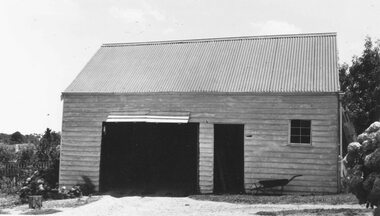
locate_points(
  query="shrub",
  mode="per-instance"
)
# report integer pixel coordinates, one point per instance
(48, 147)
(363, 165)
(25, 155)
(6, 154)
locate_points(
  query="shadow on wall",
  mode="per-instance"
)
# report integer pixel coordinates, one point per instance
(87, 187)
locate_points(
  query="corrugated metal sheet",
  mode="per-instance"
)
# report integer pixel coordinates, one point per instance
(262, 64)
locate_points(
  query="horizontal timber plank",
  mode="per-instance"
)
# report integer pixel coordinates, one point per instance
(262, 134)
(251, 176)
(311, 187)
(90, 124)
(303, 102)
(281, 133)
(311, 183)
(102, 109)
(85, 169)
(69, 183)
(81, 173)
(80, 158)
(206, 135)
(82, 133)
(298, 166)
(284, 125)
(291, 171)
(81, 144)
(207, 179)
(206, 152)
(206, 163)
(293, 157)
(281, 148)
(331, 162)
(272, 137)
(307, 189)
(205, 171)
(264, 176)
(93, 149)
(250, 141)
(78, 139)
(81, 154)
(79, 163)
(69, 177)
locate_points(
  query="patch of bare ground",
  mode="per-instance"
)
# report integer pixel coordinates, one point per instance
(48, 206)
(210, 205)
(319, 212)
(8, 201)
(41, 212)
(335, 199)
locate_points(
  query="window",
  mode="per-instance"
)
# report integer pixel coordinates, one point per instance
(300, 131)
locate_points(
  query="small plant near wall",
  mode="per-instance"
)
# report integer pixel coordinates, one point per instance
(36, 185)
(33, 185)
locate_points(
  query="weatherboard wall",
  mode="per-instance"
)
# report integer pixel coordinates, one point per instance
(267, 153)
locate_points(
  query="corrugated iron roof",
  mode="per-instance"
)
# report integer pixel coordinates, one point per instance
(260, 64)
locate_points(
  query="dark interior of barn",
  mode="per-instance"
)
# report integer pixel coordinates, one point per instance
(228, 158)
(149, 158)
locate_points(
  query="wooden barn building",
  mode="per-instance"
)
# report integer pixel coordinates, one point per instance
(206, 115)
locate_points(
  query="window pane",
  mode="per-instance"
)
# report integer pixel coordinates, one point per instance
(295, 139)
(300, 131)
(295, 131)
(305, 139)
(295, 123)
(305, 131)
(305, 123)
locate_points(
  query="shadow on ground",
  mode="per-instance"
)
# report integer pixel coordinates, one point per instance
(123, 192)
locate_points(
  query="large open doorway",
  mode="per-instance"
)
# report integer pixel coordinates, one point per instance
(228, 158)
(149, 158)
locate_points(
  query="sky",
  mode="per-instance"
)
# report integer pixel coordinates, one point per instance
(46, 43)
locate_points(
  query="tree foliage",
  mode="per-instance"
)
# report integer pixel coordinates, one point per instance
(6, 154)
(25, 155)
(48, 147)
(17, 138)
(361, 87)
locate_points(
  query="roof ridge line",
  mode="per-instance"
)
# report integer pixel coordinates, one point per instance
(200, 40)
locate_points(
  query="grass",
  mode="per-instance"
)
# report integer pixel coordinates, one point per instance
(335, 199)
(41, 211)
(8, 200)
(69, 203)
(3, 212)
(340, 212)
(49, 206)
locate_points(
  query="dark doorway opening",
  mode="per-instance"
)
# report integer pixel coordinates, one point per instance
(149, 158)
(228, 158)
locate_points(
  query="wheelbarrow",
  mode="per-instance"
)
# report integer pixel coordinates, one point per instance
(265, 185)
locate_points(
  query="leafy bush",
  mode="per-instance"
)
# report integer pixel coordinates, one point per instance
(37, 184)
(8, 185)
(48, 148)
(6, 154)
(28, 160)
(26, 155)
(363, 166)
